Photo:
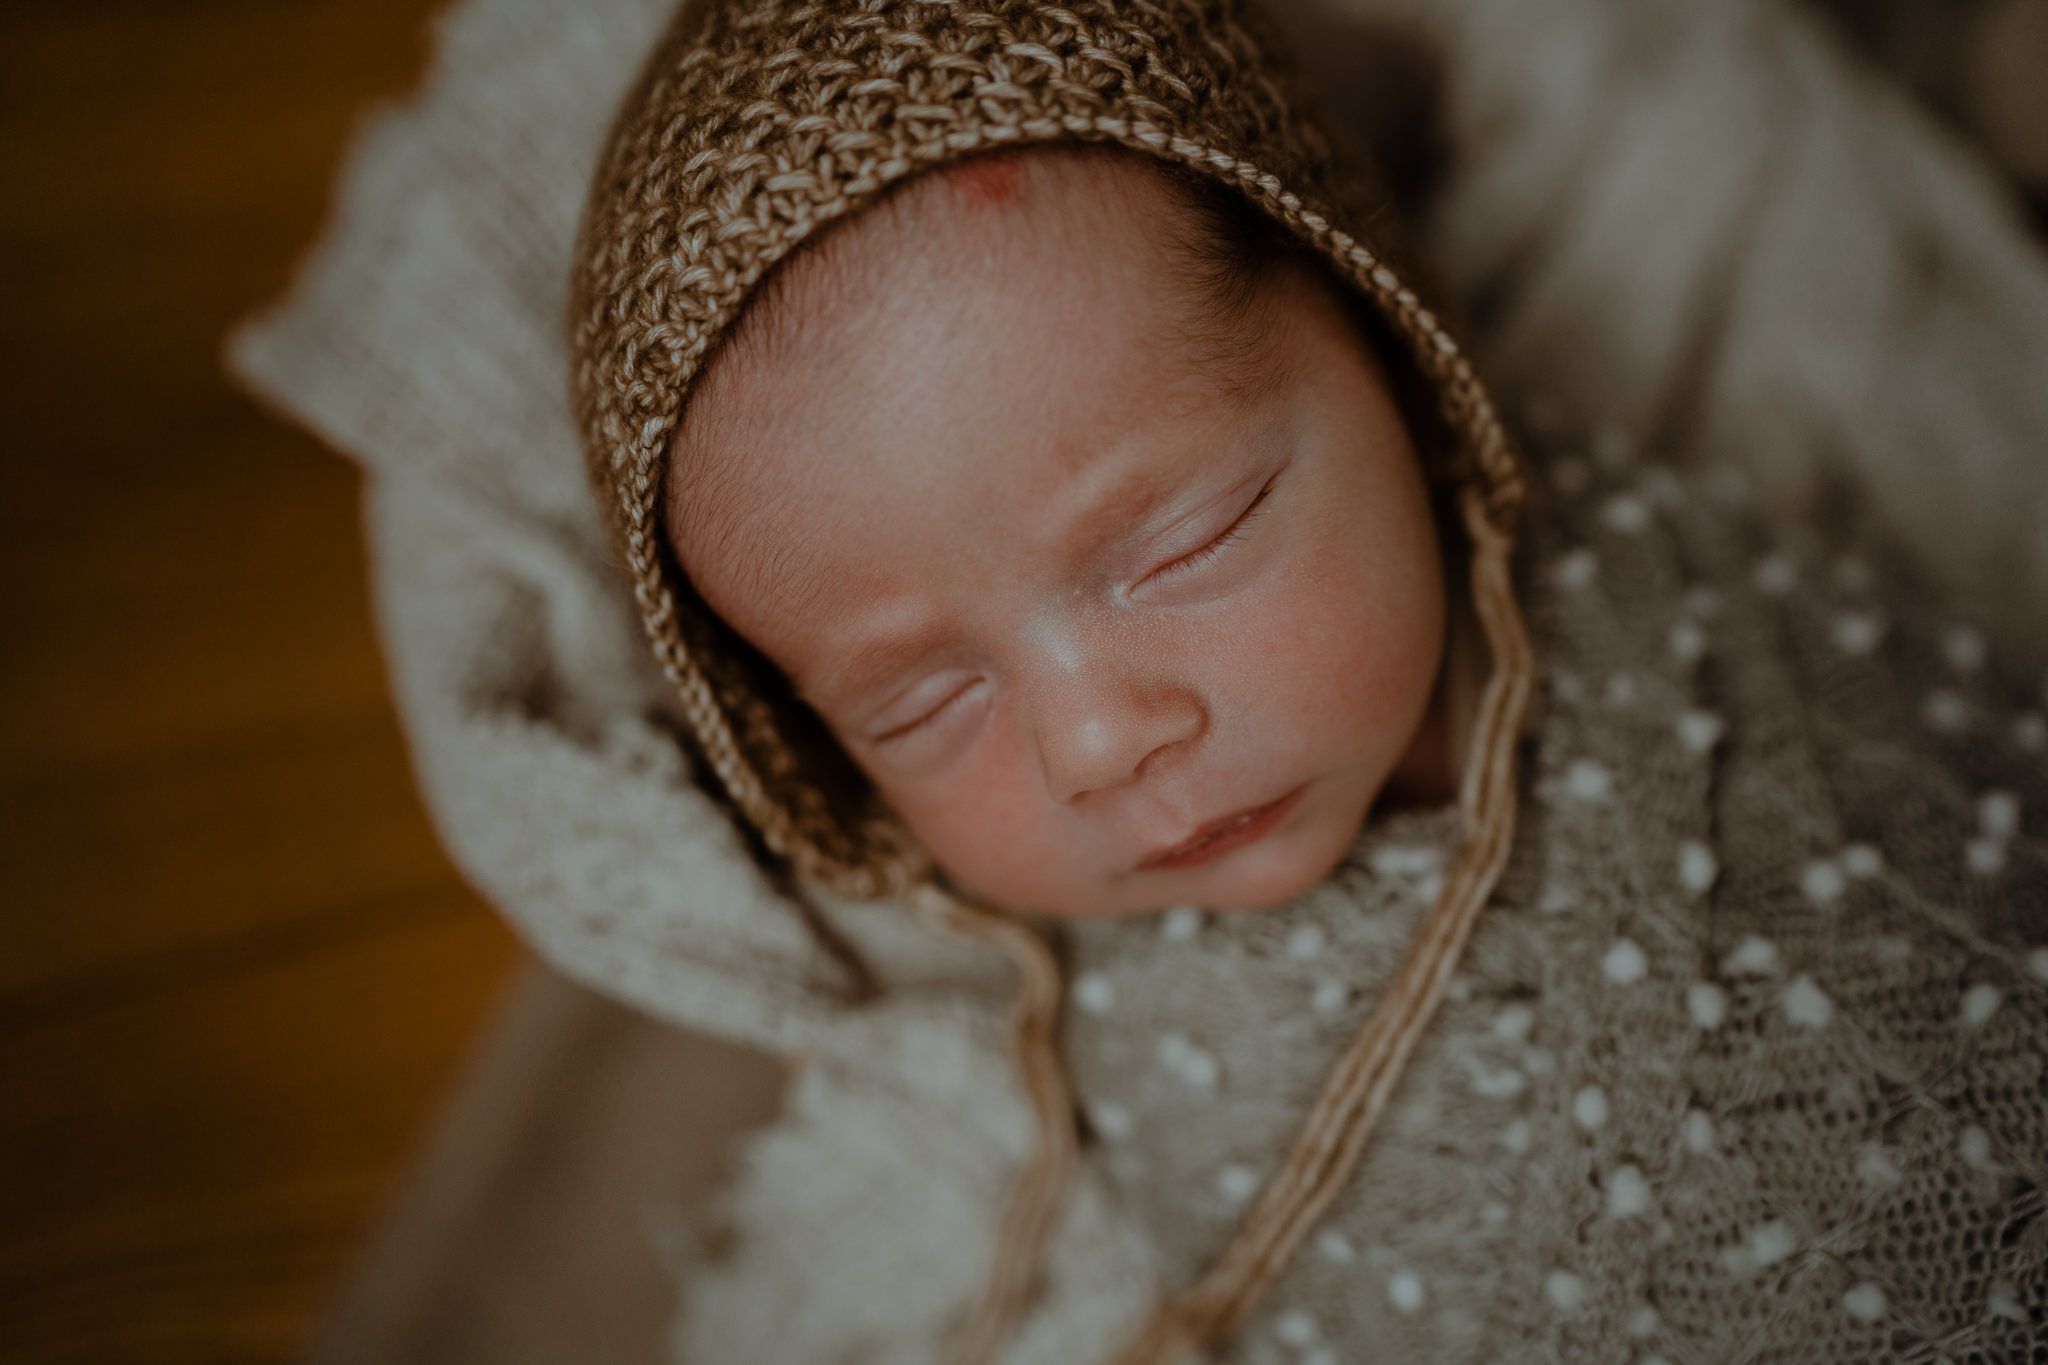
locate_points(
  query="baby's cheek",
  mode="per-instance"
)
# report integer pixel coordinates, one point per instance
(1338, 665)
(987, 824)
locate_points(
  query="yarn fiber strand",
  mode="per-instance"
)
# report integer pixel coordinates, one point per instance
(1363, 1080)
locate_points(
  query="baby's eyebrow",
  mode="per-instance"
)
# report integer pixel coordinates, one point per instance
(887, 650)
(1239, 355)
(1229, 332)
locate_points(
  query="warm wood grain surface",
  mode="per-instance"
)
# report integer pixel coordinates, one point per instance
(234, 966)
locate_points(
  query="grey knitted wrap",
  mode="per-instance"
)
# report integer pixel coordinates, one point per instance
(1749, 1059)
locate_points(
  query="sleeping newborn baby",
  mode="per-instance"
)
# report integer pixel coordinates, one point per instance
(1084, 513)
(1042, 533)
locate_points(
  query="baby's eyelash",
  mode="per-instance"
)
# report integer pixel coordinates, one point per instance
(1196, 559)
(911, 726)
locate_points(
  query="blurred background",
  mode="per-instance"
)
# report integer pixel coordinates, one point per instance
(237, 975)
(235, 968)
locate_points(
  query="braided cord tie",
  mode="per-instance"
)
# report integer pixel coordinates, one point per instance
(1039, 1192)
(1360, 1085)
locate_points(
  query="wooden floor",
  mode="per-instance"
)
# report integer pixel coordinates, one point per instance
(235, 969)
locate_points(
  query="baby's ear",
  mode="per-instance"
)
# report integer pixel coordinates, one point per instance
(1379, 83)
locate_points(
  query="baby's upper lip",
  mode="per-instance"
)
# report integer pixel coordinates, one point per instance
(1204, 832)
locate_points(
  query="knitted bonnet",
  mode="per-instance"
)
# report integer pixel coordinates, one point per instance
(757, 124)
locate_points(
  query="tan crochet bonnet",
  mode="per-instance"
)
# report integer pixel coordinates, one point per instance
(756, 124)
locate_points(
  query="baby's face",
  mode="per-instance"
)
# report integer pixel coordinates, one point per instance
(1118, 608)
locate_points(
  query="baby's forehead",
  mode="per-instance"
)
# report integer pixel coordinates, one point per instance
(870, 310)
(1097, 210)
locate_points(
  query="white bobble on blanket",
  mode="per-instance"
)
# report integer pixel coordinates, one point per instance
(1973, 1145)
(1576, 570)
(1194, 1066)
(1687, 641)
(1963, 648)
(1296, 1328)
(1856, 632)
(1945, 710)
(1980, 1002)
(1566, 1291)
(1764, 1245)
(1113, 1121)
(2003, 1301)
(1753, 956)
(1491, 1084)
(1822, 883)
(1998, 814)
(1775, 575)
(1874, 1166)
(1588, 780)
(1866, 1302)
(1985, 857)
(1628, 1192)
(1305, 942)
(1626, 514)
(1697, 866)
(1237, 1183)
(1094, 993)
(1806, 1003)
(1513, 1023)
(1700, 731)
(1625, 963)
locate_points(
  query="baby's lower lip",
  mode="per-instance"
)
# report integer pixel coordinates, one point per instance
(1234, 831)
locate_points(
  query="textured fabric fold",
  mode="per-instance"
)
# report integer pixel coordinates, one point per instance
(424, 340)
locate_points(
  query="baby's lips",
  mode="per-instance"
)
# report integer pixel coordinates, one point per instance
(1221, 835)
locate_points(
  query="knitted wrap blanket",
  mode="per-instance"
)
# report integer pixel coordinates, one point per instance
(1748, 1061)
(1749, 1058)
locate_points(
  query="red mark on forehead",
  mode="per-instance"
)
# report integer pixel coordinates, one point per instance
(989, 182)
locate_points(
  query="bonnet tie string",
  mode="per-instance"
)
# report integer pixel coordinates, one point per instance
(1363, 1080)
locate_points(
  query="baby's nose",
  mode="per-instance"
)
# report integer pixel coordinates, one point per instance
(1099, 729)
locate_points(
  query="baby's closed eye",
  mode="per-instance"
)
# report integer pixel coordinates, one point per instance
(1207, 553)
(925, 703)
